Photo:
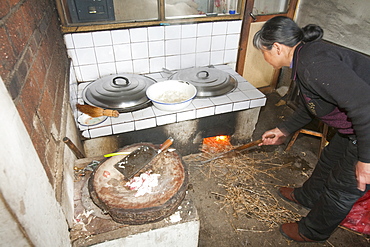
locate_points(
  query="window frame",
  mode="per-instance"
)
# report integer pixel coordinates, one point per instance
(68, 27)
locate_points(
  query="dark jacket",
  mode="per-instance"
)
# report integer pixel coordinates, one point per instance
(334, 85)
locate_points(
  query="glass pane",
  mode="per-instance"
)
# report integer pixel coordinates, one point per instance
(190, 8)
(135, 10)
(267, 7)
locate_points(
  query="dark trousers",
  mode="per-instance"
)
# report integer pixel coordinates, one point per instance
(331, 190)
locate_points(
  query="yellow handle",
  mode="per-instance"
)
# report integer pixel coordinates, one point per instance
(115, 154)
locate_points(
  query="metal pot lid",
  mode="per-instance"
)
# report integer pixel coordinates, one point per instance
(209, 82)
(124, 92)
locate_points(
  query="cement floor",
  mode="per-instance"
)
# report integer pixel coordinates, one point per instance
(218, 226)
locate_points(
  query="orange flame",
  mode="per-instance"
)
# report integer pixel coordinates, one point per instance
(216, 144)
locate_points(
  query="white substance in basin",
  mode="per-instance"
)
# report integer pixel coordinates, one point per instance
(172, 97)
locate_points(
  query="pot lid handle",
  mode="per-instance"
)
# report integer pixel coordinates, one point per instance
(201, 75)
(114, 81)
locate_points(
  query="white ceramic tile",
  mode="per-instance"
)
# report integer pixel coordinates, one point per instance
(220, 100)
(89, 72)
(139, 50)
(172, 47)
(204, 29)
(188, 31)
(244, 85)
(237, 96)
(143, 114)
(102, 38)
(254, 94)
(186, 115)
(156, 48)
(187, 61)
(226, 68)
(156, 33)
(122, 52)
(141, 66)
(258, 102)
(232, 41)
(218, 42)
(104, 54)
(139, 34)
(123, 118)
(223, 108)
(155, 76)
(145, 124)
(102, 131)
(82, 40)
(234, 27)
(78, 73)
(188, 45)
(201, 103)
(230, 56)
(107, 69)
(86, 56)
(219, 28)
(72, 54)
(173, 62)
(172, 32)
(124, 67)
(217, 57)
(205, 112)
(203, 44)
(166, 119)
(156, 64)
(120, 36)
(123, 127)
(202, 59)
(68, 41)
(243, 105)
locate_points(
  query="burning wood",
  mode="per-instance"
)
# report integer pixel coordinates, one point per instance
(216, 144)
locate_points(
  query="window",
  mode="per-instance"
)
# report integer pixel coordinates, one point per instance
(88, 15)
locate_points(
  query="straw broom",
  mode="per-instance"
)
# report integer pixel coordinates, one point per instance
(94, 111)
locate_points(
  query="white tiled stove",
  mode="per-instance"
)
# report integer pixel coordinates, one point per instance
(244, 97)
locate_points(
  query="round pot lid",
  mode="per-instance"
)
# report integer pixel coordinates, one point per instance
(209, 82)
(124, 92)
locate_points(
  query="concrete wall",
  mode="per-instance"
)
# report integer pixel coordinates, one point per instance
(345, 22)
(30, 215)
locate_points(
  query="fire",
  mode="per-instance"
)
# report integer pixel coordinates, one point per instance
(216, 144)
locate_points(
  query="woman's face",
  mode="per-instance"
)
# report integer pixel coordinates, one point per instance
(274, 56)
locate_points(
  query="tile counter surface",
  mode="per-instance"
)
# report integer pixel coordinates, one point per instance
(244, 97)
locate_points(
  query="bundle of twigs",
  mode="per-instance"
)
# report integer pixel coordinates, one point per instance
(246, 190)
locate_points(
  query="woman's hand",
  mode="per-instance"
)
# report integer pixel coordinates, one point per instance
(363, 175)
(273, 137)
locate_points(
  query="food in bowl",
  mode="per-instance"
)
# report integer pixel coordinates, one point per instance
(171, 95)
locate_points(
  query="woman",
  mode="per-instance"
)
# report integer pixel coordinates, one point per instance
(334, 85)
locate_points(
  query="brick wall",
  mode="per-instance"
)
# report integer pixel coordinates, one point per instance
(34, 67)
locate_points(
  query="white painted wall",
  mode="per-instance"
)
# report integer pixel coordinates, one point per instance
(24, 186)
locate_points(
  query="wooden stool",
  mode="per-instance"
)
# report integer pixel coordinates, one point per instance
(322, 135)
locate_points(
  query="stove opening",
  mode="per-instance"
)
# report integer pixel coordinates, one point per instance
(216, 144)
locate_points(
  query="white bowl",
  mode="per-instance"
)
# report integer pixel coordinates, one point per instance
(172, 95)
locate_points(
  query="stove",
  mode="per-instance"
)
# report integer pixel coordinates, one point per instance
(234, 113)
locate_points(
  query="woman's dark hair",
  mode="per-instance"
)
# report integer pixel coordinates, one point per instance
(285, 31)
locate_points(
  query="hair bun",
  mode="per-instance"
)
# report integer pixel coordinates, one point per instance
(312, 32)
